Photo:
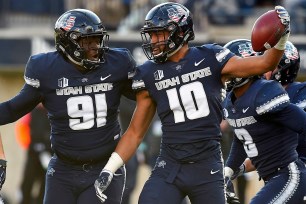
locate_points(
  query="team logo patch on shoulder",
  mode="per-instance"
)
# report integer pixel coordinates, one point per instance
(220, 56)
(138, 84)
(32, 82)
(63, 82)
(158, 75)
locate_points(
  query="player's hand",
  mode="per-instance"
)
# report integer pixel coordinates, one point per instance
(2, 172)
(231, 197)
(239, 172)
(284, 17)
(102, 183)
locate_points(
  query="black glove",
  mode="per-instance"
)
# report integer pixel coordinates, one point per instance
(102, 183)
(2, 172)
(231, 197)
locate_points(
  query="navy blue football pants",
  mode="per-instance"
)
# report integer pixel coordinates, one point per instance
(74, 184)
(170, 182)
(285, 186)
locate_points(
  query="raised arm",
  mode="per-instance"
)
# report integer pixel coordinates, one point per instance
(257, 65)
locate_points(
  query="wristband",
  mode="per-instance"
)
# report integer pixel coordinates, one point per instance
(114, 163)
(281, 45)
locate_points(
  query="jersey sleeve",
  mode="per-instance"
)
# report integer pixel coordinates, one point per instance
(271, 98)
(138, 83)
(222, 54)
(289, 116)
(21, 104)
(30, 75)
(237, 155)
(300, 98)
(25, 100)
(128, 92)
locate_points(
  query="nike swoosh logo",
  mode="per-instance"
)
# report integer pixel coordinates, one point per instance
(245, 110)
(197, 63)
(103, 78)
(213, 172)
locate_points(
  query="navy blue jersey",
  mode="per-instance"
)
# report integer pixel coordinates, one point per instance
(82, 108)
(188, 93)
(297, 95)
(263, 120)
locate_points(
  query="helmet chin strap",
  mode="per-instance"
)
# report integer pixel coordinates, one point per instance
(180, 46)
(81, 64)
(70, 58)
(243, 83)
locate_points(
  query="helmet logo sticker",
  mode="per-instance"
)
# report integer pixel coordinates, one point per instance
(176, 15)
(291, 53)
(69, 23)
(246, 50)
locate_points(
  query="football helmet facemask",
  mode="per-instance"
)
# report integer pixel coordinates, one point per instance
(167, 17)
(242, 48)
(288, 67)
(74, 25)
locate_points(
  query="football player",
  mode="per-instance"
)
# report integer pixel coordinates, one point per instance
(263, 120)
(286, 73)
(80, 85)
(184, 85)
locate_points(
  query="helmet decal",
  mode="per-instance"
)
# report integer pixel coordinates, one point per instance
(242, 48)
(289, 65)
(291, 53)
(246, 50)
(176, 15)
(69, 23)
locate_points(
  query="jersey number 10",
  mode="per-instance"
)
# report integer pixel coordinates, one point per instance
(194, 101)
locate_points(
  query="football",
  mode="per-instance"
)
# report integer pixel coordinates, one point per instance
(267, 31)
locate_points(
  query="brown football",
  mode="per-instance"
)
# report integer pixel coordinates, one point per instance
(267, 31)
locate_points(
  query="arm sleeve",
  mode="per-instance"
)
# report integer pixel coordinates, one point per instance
(236, 156)
(128, 92)
(271, 98)
(289, 116)
(20, 105)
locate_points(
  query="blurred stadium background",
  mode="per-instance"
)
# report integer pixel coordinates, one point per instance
(26, 28)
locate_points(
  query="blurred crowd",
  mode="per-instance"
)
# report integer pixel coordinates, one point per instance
(127, 15)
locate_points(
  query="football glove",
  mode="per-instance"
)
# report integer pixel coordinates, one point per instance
(102, 183)
(239, 172)
(231, 197)
(283, 15)
(2, 172)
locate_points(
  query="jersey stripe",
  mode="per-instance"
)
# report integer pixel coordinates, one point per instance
(284, 98)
